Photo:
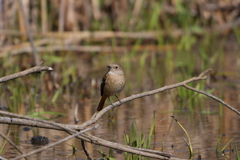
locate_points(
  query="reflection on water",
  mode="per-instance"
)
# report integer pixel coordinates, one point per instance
(204, 124)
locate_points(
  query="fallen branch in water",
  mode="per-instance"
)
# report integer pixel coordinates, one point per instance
(56, 143)
(24, 120)
(9, 141)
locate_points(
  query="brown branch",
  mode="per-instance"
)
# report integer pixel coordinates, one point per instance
(85, 150)
(2, 158)
(76, 114)
(213, 97)
(25, 72)
(54, 144)
(19, 150)
(71, 129)
(95, 117)
(138, 151)
(28, 121)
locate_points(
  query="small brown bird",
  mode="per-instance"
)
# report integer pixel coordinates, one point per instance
(112, 83)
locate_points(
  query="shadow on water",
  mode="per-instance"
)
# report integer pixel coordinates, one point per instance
(76, 79)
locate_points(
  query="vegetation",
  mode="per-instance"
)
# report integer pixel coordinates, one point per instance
(157, 42)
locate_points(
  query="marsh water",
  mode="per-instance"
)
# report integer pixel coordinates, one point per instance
(204, 119)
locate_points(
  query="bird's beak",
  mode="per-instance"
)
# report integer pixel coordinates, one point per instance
(109, 67)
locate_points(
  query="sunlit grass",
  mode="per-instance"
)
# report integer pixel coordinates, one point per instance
(223, 149)
(136, 139)
(108, 156)
(236, 150)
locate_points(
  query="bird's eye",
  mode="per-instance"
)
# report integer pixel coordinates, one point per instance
(116, 67)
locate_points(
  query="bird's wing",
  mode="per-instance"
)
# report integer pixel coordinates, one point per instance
(104, 79)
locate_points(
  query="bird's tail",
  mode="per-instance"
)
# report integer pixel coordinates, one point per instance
(101, 103)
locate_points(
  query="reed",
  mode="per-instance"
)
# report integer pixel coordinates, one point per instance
(188, 141)
(236, 150)
(136, 139)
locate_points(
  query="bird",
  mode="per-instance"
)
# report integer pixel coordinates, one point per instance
(112, 83)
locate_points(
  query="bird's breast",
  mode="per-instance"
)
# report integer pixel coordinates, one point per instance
(114, 84)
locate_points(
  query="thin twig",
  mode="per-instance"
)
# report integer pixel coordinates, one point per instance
(25, 72)
(7, 139)
(56, 143)
(89, 138)
(76, 114)
(34, 122)
(95, 117)
(2, 158)
(213, 97)
(85, 150)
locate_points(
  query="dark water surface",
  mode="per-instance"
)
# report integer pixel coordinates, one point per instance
(203, 123)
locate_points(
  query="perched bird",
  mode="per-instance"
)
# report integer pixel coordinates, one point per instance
(112, 83)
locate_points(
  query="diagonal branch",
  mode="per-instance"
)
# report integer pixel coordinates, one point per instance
(213, 97)
(37, 68)
(71, 129)
(56, 143)
(97, 116)
(34, 122)
(7, 139)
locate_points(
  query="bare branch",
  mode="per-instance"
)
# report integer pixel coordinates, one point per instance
(25, 72)
(2, 158)
(86, 137)
(95, 117)
(71, 129)
(12, 144)
(56, 143)
(85, 150)
(213, 97)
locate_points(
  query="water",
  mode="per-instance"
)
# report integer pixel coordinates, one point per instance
(204, 123)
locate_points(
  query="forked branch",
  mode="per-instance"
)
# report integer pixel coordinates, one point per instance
(96, 116)
(73, 129)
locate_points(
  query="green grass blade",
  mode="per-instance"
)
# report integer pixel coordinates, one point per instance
(151, 132)
(189, 141)
(56, 95)
(227, 144)
(218, 144)
(236, 150)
